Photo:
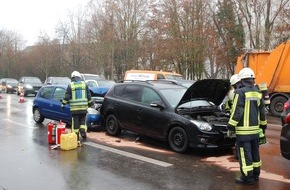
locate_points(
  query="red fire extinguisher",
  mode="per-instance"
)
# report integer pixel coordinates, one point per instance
(60, 129)
(51, 132)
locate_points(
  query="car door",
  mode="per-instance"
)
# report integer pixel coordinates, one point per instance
(127, 105)
(55, 105)
(44, 100)
(150, 119)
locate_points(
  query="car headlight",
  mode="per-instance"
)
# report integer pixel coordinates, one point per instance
(28, 86)
(9, 86)
(204, 126)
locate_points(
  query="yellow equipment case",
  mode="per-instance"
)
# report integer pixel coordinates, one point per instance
(68, 141)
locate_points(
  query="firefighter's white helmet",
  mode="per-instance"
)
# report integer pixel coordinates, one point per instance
(246, 73)
(234, 79)
(75, 74)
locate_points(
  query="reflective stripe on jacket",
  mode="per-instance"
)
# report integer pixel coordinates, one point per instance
(248, 111)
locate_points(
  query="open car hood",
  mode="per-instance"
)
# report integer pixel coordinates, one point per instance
(214, 90)
(99, 91)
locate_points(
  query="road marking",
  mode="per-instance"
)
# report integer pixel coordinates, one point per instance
(128, 154)
(17, 123)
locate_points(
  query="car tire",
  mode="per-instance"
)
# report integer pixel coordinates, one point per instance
(178, 140)
(38, 118)
(276, 105)
(112, 125)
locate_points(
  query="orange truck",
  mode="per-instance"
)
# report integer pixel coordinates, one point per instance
(273, 69)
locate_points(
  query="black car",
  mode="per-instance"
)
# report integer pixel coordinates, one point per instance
(183, 117)
(28, 85)
(9, 85)
(285, 132)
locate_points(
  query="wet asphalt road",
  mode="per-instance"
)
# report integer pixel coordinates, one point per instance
(104, 162)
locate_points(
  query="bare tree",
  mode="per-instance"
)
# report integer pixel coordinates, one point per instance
(11, 45)
(260, 18)
(72, 39)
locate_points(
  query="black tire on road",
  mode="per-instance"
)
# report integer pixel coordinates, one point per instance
(112, 125)
(178, 140)
(276, 105)
(38, 118)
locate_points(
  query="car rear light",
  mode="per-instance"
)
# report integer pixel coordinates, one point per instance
(287, 118)
(286, 105)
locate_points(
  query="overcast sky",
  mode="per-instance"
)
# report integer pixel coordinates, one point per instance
(30, 17)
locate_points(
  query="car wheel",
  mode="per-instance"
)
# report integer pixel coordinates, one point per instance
(38, 118)
(178, 140)
(277, 104)
(112, 125)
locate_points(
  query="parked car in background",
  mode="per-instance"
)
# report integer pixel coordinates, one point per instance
(86, 76)
(183, 117)
(57, 80)
(8, 85)
(100, 83)
(285, 131)
(47, 104)
(99, 88)
(28, 85)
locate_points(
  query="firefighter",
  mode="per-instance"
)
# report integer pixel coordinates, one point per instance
(78, 97)
(247, 118)
(235, 83)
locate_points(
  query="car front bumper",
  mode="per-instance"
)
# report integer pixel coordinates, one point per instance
(213, 140)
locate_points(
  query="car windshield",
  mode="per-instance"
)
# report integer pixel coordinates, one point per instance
(196, 103)
(173, 96)
(106, 83)
(32, 80)
(11, 81)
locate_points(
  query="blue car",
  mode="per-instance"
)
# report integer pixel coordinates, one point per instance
(47, 104)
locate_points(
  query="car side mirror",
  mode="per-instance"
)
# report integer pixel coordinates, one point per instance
(157, 104)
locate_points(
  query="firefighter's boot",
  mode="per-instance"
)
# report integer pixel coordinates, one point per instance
(83, 134)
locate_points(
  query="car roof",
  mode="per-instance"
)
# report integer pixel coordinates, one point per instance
(55, 85)
(8, 79)
(159, 84)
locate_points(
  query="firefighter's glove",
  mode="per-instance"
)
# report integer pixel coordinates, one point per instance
(263, 127)
(262, 137)
(231, 131)
(90, 104)
(231, 134)
(62, 107)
